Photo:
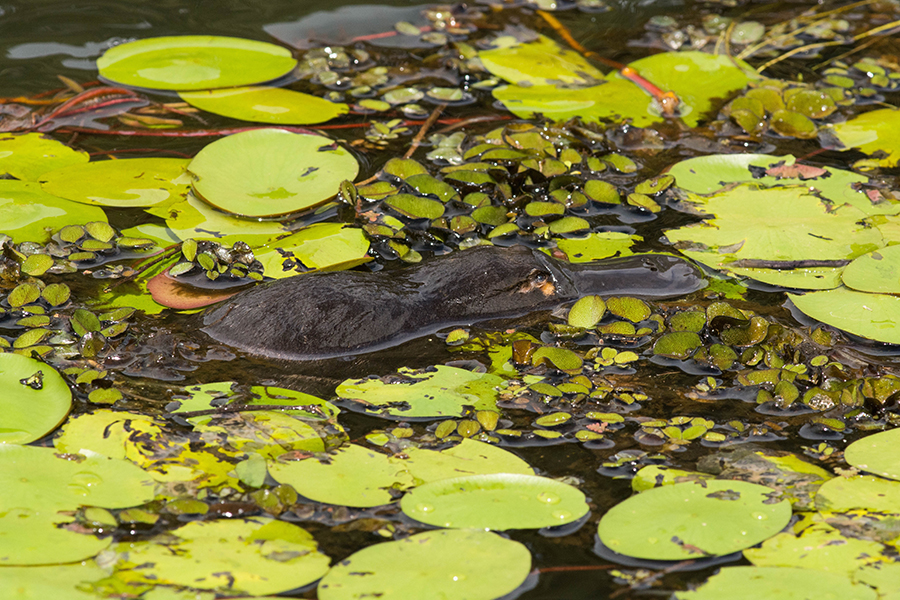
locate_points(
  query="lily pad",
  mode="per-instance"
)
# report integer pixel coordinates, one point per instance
(266, 105)
(691, 520)
(269, 172)
(876, 272)
(194, 219)
(540, 62)
(871, 132)
(695, 77)
(476, 565)
(255, 556)
(194, 62)
(872, 316)
(28, 537)
(499, 502)
(861, 491)
(818, 547)
(40, 479)
(596, 246)
(35, 399)
(29, 155)
(469, 457)
(878, 453)
(777, 229)
(319, 247)
(57, 581)
(441, 392)
(777, 583)
(28, 213)
(352, 476)
(127, 182)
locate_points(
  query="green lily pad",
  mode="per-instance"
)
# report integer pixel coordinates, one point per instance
(776, 229)
(126, 182)
(28, 213)
(691, 520)
(441, 392)
(114, 434)
(695, 77)
(194, 62)
(872, 316)
(469, 457)
(266, 105)
(57, 581)
(818, 547)
(861, 491)
(322, 246)
(29, 155)
(876, 272)
(34, 538)
(596, 246)
(499, 502)
(777, 583)
(194, 219)
(255, 556)
(476, 565)
(269, 172)
(884, 577)
(352, 476)
(541, 62)
(39, 479)
(709, 174)
(874, 131)
(878, 453)
(35, 399)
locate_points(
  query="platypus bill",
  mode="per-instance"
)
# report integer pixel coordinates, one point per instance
(333, 314)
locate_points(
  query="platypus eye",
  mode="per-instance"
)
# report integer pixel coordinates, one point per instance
(539, 280)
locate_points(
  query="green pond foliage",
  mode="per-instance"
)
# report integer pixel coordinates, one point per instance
(739, 442)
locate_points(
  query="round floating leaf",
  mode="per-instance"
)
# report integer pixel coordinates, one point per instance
(499, 502)
(39, 479)
(695, 77)
(268, 172)
(57, 581)
(878, 453)
(194, 62)
(876, 272)
(255, 556)
(126, 182)
(685, 521)
(194, 219)
(33, 538)
(442, 392)
(862, 491)
(818, 547)
(587, 312)
(475, 565)
(322, 246)
(29, 214)
(874, 131)
(872, 316)
(540, 62)
(35, 399)
(467, 458)
(266, 105)
(777, 583)
(352, 476)
(27, 156)
(596, 246)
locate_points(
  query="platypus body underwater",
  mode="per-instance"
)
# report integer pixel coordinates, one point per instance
(334, 314)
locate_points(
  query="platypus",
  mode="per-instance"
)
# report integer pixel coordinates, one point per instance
(332, 314)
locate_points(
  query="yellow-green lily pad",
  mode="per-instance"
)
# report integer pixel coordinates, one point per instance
(266, 105)
(126, 182)
(35, 399)
(194, 62)
(29, 214)
(872, 316)
(877, 453)
(28, 155)
(270, 172)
